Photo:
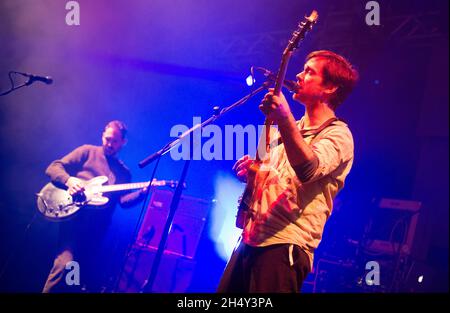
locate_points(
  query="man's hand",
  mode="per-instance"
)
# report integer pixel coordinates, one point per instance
(275, 108)
(74, 185)
(241, 167)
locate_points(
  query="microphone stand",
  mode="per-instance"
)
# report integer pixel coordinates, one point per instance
(148, 284)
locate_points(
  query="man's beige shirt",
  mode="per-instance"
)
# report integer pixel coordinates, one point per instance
(283, 209)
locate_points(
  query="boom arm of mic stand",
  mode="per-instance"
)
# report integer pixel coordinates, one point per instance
(168, 147)
(214, 117)
(27, 83)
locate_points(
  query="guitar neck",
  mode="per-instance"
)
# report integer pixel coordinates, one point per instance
(264, 141)
(120, 187)
(282, 72)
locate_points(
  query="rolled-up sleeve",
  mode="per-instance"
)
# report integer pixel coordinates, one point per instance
(332, 149)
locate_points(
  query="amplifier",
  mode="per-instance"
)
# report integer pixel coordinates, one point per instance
(187, 226)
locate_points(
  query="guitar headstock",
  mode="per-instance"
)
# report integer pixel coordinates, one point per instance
(303, 27)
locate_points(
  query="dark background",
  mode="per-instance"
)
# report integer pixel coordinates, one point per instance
(155, 64)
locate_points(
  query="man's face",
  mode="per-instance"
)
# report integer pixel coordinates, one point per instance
(112, 141)
(311, 82)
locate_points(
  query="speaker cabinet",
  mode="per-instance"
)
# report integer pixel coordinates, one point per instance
(177, 264)
(187, 226)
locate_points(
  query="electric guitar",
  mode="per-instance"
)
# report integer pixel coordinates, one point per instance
(57, 204)
(247, 197)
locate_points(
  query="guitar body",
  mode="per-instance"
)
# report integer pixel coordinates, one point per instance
(246, 198)
(57, 204)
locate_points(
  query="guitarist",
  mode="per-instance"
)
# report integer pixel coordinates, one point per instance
(81, 237)
(294, 199)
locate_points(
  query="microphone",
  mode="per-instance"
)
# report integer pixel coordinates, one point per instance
(291, 85)
(32, 78)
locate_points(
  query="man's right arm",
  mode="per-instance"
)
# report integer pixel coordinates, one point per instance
(60, 171)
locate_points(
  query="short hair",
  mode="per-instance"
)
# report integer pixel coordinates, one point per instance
(118, 125)
(339, 72)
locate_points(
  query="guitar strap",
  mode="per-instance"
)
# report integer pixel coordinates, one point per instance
(309, 132)
(314, 132)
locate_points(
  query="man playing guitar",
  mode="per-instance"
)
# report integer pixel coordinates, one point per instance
(81, 236)
(306, 169)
